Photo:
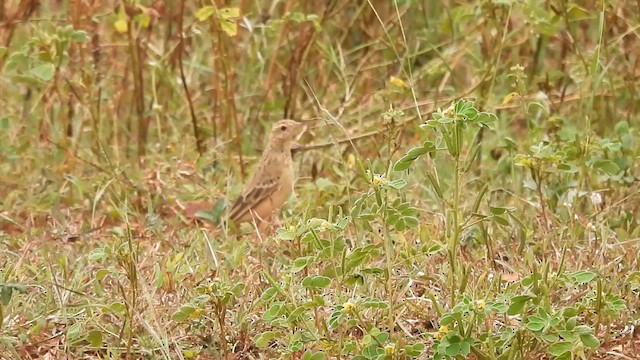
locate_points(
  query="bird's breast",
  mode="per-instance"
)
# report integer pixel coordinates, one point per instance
(288, 177)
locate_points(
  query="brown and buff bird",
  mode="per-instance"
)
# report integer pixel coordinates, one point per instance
(272, 181)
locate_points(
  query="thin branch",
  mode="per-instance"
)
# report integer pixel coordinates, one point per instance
(194, 119)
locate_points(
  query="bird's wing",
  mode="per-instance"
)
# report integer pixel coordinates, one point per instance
(264, 183)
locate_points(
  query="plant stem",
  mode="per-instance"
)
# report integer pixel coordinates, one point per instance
(453, 246)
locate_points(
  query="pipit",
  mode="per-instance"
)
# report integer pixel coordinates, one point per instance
(273, 179)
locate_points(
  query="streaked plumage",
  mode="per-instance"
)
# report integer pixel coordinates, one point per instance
(273, 179)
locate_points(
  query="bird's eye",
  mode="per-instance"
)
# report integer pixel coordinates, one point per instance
(283, 128)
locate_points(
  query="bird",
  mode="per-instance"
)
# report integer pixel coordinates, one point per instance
(273, 178)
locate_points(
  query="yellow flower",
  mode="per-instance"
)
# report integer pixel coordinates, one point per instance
(351, 161)
(121, 25)
(389, 349)
(442, 332)
(481, 304)
(348, 306)
(507, 99)
(396, 82)
(377, 180)
(196, 314)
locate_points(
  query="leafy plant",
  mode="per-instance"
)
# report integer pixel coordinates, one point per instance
(40, 58)
(449, 126)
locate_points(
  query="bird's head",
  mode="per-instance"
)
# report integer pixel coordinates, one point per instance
(284, 133)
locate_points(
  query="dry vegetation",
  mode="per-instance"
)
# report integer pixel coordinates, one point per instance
(501, 228)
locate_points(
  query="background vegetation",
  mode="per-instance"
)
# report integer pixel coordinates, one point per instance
(426, 224)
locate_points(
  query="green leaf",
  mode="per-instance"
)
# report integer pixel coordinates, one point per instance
(317, 282)
(462, 105)
(43, 72)
(375, 303)
(402, 164)
(583, 276)
(73, 331)
(570, 312)
(229, 13)
(577, 13)
(567, 335)
(324, 183)
(374, 271)
(621, 128)
(536, 324)
(560, 348)
(414, 153)
(118, 307)
(205, 12)
(317, 356)
(583, 330)
(500, 220)
(406, 222)
(607, 166)
(263, 340)
(300, 263)
(296, 16)
(187, 309)
(479, 196)
(97, 254)
(415, 350)
(590, 340)
(273, 312)
(568, 168)
(315, 19)
(291, 319)
(6, 291)
(205, 215)
(382, 337)
(470, 113)
(295, 346)
(435, 184)
(286, 233)
(518, 303)
(80, 36)
(445, 120)
(486, 119)
(101, 274)
(336, 318)
(499, 307)
(15, 61)
(179, 316)
(447, 319)
(397, 184)
(342, 224)
(429, 124)
(95, 338)
(497, 210)
(229, 27)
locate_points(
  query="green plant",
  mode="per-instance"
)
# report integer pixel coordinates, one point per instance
(216, 297)
(450, 126)
(40, 58)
